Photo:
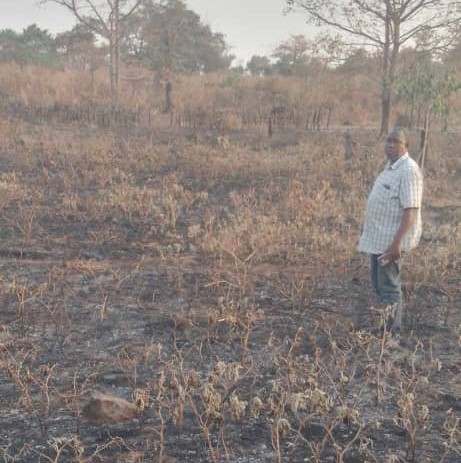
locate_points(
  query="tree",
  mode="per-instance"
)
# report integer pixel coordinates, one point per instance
(168, 36)
(33, 45)
(105, 18)
(387, 25)
(358, 62)
(426, 86)
(78, 48)
(259, 66)
(452, 57)
(292, 55)
(414, 86)
(11, 45)
(38, 40)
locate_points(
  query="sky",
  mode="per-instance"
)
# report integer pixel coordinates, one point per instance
(250, 26)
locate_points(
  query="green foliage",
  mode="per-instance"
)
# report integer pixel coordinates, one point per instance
(11, 45)
(233, 78)
(388, 26)
(292, 56)
(167, 35)
(78, 48)
(426, 83)
(38, 40)
(33, 45)
(260, 66)
(359, 61)
(415, 84)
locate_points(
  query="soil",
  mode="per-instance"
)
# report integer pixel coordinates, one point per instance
(115, 315)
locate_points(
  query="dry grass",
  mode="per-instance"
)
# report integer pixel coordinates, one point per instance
(234, 94)
(216, 285)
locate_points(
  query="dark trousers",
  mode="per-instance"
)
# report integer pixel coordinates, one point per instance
(385, 280)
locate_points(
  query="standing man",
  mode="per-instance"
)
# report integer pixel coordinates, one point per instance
(392, 224)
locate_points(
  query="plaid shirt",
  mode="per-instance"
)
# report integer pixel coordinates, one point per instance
(399, 186)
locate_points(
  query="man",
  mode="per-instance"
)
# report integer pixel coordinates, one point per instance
(392, 224)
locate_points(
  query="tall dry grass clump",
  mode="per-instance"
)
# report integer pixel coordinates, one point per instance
(33, 85)
(249, 96)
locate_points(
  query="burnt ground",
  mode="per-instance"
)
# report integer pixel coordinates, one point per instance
(158, 319)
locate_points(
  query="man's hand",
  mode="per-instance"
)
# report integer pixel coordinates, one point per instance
(394, 252)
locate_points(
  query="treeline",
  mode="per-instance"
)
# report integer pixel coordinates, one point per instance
(156, 36)
(156, 49)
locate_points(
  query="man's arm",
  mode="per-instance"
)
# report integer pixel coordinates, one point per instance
(408, 218)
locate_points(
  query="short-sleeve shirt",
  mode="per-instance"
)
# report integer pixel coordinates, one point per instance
(399, 186)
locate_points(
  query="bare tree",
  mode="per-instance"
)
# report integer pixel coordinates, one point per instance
(104, 17)
(387, 25)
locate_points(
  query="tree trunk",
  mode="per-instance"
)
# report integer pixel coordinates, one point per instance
(116, 51)
(425, 138)
(108, 28)
(385, 89)
(412, 114)
(391, 56)
(168, 99)
(385, 108)
(446, 116)
(112, 63)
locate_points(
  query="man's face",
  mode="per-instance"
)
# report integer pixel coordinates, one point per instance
(395, 147)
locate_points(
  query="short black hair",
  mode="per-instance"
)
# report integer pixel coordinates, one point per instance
(398, 133)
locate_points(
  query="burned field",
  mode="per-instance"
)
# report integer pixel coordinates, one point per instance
(213, 284)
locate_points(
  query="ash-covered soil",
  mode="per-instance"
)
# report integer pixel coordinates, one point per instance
(228, 354)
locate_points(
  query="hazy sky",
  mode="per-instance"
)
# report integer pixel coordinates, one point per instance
(250, 26)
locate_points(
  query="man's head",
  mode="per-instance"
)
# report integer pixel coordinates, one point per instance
(396, 144)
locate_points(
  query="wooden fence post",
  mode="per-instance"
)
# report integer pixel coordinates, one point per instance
(424, 139)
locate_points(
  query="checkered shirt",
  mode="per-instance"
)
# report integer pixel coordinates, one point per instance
(399, 186)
